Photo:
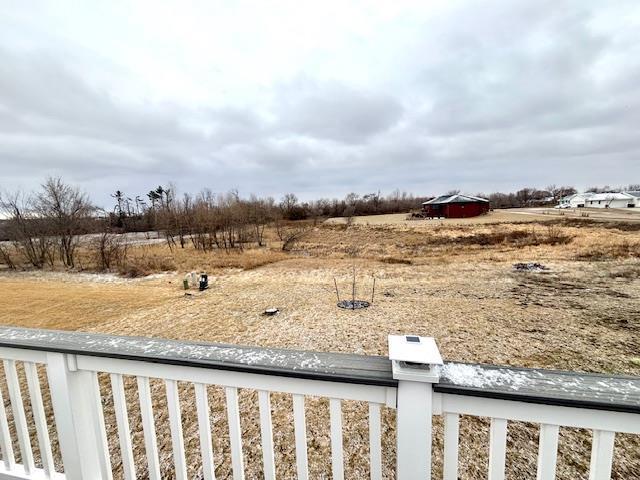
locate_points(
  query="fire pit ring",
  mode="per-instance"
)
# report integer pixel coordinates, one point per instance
(353, 304)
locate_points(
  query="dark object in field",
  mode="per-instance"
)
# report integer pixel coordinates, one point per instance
(353, 304)
(204, 282)
(271, 311)
(529, 267)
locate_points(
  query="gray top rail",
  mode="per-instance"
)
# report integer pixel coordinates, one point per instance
(550, 387)
(598, 391)
(337, 367)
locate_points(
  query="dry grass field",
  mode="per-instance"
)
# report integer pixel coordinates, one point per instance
(453, 281)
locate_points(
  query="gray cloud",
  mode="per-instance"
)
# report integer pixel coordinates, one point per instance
(478, 97)
(336, 112)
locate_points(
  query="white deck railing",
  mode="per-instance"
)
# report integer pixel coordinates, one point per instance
(72, 361)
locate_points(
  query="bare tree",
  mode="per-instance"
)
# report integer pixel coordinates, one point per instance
(259, 214)
(27, 232)
(64, 209)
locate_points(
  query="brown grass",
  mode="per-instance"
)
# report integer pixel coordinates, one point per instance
(609, 251)
(455, 283)
(67, 304)
(159, 258)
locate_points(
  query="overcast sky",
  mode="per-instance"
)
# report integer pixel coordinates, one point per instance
(319, 98)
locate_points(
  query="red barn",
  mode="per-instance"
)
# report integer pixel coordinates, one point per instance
(455, 206)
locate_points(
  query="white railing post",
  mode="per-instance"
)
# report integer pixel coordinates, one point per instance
(414, 361)
(79, 419)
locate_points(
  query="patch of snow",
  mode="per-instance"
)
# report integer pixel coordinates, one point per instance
(79, 277)
(159, 348)
(474, 376)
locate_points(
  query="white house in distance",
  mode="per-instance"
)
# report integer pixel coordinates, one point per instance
(601, 200)
(577, 200)
(612, 200)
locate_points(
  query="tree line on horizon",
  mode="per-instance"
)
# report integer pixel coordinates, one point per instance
(45, 226)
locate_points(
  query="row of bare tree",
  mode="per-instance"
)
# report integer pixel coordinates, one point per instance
(225, 222)
(45, 228)
(208, 221)
(45, 225)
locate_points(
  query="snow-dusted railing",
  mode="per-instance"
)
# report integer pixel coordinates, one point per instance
(602, 403)
(73, 362)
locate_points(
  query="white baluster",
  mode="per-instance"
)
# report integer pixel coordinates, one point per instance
(547, 452)
(266, 433)
(497, 448)
(204, 427)
(300, 430)
(601, 455)
(39, 417)
(175, 424)
(148, 427)
(122, 420)
(451, 439)
(375, 441)
(5, 438)
(337, 461)
(235, 433)
(19, 418)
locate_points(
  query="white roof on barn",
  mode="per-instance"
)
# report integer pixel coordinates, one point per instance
(610, 196)
(578, 196)
(634, 193)
(454, 199)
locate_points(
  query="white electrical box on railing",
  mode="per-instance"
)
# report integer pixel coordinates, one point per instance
(414, 349)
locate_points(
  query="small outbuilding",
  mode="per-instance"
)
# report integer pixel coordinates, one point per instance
(455, 206)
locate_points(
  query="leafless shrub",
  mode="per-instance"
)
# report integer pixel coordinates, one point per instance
(348, 214)
(5, 256)
(556, 236)
(291, 233)
(145, 265)
(109, 250)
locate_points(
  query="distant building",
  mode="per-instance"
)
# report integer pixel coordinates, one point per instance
(636, 195)
(611, 200)
(455, 206)
(577, 200)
